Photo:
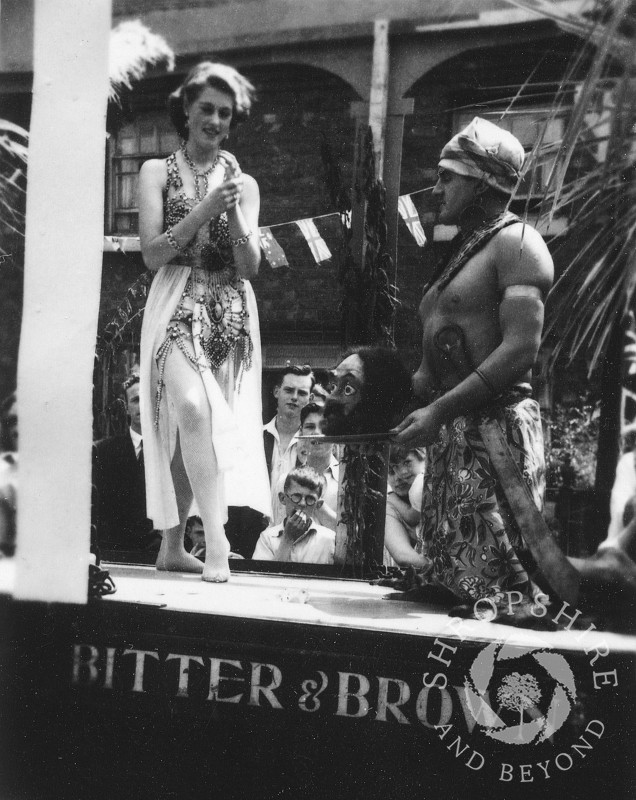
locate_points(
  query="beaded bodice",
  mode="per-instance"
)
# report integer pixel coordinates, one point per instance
(211, 248)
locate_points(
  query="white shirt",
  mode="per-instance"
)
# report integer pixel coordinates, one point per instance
(316, 546)
(136, 440)
(282, 463)
(330, 495)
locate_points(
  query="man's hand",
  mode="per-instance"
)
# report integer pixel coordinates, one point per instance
(421, 382)
(296, 525)
(420, 428)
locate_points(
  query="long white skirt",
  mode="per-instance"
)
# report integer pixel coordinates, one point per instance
(235, 410)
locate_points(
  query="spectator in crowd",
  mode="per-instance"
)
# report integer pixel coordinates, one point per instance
(120, 488)
(298, 538)
(320, 392)
(195, 535)
(402, 536)
(320, 457)
(280, 435)
(195, 539)
(8, 473)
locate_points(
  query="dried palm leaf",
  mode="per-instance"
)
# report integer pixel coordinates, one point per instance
(591, 182)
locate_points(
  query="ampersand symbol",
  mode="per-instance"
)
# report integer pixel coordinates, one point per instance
(312, 692)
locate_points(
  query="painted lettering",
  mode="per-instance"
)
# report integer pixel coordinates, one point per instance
(184, 670)
(257, 688)
(383, 702)
(216, 678)
(140, 664)
(345, 694)
(84, 663)
(311, 693)
(445, 711)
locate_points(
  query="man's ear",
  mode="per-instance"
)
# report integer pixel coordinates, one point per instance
(281, 497)
(276, 391)
(481, 189)
(319, 504)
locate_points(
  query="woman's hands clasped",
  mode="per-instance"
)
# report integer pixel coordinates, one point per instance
(226, 195)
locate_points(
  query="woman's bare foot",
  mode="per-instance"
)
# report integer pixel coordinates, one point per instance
(216, 568)
(178, 561)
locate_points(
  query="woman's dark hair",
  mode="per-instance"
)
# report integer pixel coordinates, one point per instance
(217, 76)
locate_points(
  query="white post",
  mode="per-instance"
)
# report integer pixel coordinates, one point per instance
(62, 276)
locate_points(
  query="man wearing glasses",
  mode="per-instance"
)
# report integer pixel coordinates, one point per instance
(299, 539)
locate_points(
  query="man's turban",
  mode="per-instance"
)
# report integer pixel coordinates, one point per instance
(486, 151)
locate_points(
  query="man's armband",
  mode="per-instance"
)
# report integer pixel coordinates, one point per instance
(486, 381)
(522, 290)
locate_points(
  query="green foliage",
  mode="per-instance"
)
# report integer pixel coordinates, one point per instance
(571, 457)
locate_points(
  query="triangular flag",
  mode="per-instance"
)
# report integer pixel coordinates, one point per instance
(111, 244)
(409, 214)
(274, 253)
(123, 242)
(318, 246)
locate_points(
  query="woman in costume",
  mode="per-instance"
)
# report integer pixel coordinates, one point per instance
(200, 343)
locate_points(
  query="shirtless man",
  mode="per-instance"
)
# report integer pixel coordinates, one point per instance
(482, 318)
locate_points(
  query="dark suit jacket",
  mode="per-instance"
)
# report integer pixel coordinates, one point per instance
(119, 502)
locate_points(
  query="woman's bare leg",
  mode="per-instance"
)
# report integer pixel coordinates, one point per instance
(172, 554)
(186, 391)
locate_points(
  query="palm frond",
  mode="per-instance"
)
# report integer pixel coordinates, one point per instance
(590, 185)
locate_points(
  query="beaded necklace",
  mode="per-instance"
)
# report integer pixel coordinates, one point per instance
(198, 194)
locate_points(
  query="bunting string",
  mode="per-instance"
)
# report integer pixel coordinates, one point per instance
(272, 249)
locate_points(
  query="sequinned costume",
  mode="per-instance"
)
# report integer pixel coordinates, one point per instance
(469, 531)
(200, 305)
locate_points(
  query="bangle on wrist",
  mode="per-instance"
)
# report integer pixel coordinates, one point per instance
(241, 240)
(486, 381)
(172, 241)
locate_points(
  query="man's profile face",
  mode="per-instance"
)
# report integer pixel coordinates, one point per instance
(292, 394)
(132, 405)
(454, 194)
(319, 395)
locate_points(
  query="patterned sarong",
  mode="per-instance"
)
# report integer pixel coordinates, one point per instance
(469, 531)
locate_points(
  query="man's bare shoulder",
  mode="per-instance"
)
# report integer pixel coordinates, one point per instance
(521, 256)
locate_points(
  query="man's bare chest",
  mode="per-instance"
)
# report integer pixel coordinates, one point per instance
(474, 289)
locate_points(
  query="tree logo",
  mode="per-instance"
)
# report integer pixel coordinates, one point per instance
(532, 702)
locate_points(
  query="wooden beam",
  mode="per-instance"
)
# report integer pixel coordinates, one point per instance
(62, 277)
(379, 95)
